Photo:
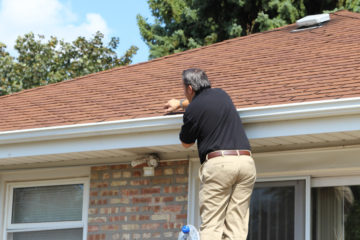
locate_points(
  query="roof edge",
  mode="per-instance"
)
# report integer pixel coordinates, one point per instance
(283, 112)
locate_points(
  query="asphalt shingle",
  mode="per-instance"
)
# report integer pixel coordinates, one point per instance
(269, 68)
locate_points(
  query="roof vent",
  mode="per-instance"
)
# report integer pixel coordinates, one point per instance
(311, 21)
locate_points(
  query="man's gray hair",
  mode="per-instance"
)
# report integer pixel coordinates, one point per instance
(196, 78)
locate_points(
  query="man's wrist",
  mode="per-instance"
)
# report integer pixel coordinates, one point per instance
(181, 103)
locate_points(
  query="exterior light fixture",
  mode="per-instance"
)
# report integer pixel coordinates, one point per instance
(152, 161)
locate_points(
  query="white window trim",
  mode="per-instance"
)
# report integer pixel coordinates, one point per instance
(335, 181)
(193, 216)
(307, 180)
(27, 227)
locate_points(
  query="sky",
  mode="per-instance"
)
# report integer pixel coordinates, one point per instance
(69, 19)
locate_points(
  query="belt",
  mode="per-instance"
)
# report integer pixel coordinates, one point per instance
(227, 153)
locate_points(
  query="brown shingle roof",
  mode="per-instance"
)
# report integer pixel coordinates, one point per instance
(274, 67)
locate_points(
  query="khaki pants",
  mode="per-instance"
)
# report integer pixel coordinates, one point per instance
(227, 184)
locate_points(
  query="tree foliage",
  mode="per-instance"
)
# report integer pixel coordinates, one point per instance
(41, 62)
(184, 24)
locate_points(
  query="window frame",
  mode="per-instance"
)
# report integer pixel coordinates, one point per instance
(308, 186)
(335, 181)
(32, 227)
(302, 218)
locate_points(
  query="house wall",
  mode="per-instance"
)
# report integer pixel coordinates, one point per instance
(126, 205)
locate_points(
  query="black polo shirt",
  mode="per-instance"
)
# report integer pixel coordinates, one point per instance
(211, 119)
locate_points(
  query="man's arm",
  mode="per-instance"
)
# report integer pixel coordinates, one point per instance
(187, 145)
(174, 105)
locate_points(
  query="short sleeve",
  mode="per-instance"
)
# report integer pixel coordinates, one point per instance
(189, 130)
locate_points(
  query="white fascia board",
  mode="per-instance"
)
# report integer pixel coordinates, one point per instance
(256, 119)
(89, 144)
(330, 116)
(318, 109)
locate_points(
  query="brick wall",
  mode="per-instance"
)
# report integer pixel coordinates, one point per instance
(126, 205)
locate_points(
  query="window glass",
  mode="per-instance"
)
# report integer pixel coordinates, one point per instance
(336, 213)
(47, 204)
(272, 212)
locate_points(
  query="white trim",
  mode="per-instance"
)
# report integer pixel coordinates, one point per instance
(307, 208)
(93, 129)
(86, 199)
(315, 109)
(326, 108)
(335, 181)
(193, 216)
(33, 227)
(28, 227)
(32, 175)
(283, 178)
(36, 175)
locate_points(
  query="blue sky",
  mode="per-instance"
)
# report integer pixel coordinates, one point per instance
(68, 19)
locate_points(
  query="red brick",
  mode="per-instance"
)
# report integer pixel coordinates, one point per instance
(150, 226)
(110, 228)
(93, 193)
(162, 181)
(139, 182)
(117, 218)
(129, 192)
(173, 208)
(136, 200)
(181, 216)
(174, 189)
(137, 173)
(99, 168)
(93, 228)
(164, 199)
(119, 167)
(150, 190)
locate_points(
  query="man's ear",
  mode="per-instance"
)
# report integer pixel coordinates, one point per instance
(189, 89)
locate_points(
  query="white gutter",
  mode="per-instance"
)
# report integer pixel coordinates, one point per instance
(93, 129)
(326, 108)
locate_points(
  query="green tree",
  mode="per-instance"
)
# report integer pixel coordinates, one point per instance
(41, 62)
(185, 24)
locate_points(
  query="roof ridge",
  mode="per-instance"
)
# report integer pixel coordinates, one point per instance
(354, 15)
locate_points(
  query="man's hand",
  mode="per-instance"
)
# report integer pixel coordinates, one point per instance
(172, 106)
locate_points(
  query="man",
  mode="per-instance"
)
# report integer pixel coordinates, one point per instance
(228, 171)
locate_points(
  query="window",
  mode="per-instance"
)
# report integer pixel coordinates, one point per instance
(277, 210)
(47, 209)
(336, 213)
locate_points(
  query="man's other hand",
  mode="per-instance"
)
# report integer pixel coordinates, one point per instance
(172, 106)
